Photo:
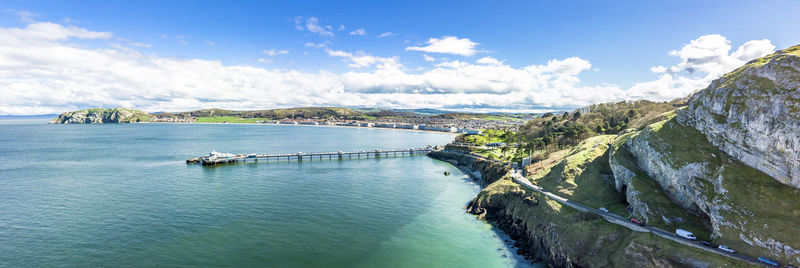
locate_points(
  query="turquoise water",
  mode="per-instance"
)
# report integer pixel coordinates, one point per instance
(121, 195)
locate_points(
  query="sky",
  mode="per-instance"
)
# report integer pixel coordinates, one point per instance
(479, 56)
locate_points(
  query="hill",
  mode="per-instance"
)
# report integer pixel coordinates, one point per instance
(100, 115)
(722, 164)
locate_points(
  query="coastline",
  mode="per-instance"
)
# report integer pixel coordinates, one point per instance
(299, 125)
(501, 228)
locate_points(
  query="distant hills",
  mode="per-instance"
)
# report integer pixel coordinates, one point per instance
(124, 115)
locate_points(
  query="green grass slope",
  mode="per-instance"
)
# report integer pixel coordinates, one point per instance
(760, 214)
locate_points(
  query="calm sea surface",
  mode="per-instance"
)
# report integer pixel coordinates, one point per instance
(121, 195)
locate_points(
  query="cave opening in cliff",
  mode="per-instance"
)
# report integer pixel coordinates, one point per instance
(625, 195)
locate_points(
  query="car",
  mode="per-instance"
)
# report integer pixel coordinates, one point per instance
(726, 249)
(603, 210)
(685, 234)
(637, 221)
(768, 261)
(708, 244)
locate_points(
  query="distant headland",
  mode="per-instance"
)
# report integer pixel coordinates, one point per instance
(417, 119)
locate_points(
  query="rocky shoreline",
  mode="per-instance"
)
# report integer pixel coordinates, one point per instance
(543, 231)
(486, 172)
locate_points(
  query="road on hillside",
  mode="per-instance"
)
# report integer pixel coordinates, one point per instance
(614, 218)
(619, 220)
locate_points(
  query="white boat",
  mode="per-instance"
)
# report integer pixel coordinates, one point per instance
(217, 155)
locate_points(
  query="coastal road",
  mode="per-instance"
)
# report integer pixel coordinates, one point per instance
(614, 218)
(619, 220)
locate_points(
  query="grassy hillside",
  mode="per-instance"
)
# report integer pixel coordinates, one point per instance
(583, 175)
(555, 131)
(586, 239)
(276, 114)
(756, 204)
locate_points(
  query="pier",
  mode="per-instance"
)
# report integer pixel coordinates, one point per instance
(217, 158)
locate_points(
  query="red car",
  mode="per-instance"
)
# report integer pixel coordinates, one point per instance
(637, 221)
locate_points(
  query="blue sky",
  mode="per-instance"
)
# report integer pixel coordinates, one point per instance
(621, 41)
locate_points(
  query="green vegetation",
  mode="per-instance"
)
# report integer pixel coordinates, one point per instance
(229, 119)
(659, 205)
(277, 114)
(124, 115)
(587, 239)
(763, 206)
(328, 113)
(552, 132)
(488, 136)
(584, 176)
(490, 117)
(505, 153)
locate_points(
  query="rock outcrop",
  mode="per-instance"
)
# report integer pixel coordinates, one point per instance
(732, 156)
(746, 208)
(485, 171)
(753, 114)
(102, 116)
(544, 230)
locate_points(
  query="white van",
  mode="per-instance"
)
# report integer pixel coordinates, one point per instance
(685, 234)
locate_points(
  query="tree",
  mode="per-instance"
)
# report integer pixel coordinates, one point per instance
(504, 150)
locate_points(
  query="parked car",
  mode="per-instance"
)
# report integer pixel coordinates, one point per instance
(709, 244)
(603, 210)
(768, 261)
(726, 249)
(637, 221)
(685, 234)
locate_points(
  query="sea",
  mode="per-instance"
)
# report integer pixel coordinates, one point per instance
(121, 195)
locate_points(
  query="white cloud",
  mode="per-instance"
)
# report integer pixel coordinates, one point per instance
(428, 58)
(361, 59)
(359, 31)
(658, 69)
(317, 45)
(448, 45)
(702, 60)
(182, 39)
(298, 23)
(274, 52)
(24, 16)
(48, 75)
(386, 34)
(45, 32)
(42, 71)
(139, 44)
(489, 60)
(312, 25)
(341, 27)
(211, 43)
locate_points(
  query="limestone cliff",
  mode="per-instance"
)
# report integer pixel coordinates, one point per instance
(544, 230)
(753, 114)
(101, 116)
(747, 209)
(731, 157)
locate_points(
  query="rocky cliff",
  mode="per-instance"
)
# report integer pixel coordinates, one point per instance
(485, 171)
(747, 209)
(101, 116)
(753, 114)
(730, 158)
(544, 230)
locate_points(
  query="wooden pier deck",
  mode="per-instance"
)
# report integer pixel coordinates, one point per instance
(300, 156)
